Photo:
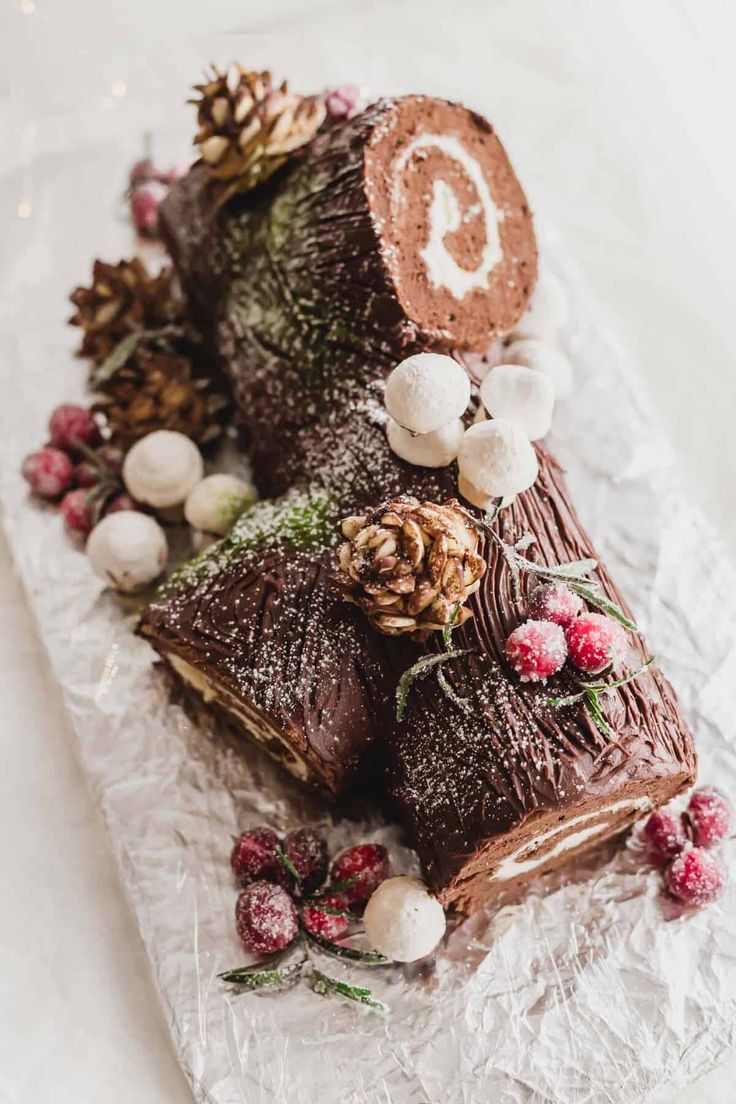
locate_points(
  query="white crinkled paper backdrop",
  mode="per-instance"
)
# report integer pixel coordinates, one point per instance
(588, 989)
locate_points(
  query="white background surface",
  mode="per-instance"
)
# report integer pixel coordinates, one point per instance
(619, 124)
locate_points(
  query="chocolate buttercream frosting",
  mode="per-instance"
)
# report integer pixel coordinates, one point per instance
(310, 291)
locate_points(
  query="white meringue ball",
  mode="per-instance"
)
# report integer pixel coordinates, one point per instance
(544, 358)
(519, 395)
(127, 549)
(426, 391)
(403, 921)
(479, 498)
(217, 501)
(161, 469)
(497, 458)
(427, 450)
(548, 311)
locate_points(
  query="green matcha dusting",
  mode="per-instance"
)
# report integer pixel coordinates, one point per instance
(301, 521)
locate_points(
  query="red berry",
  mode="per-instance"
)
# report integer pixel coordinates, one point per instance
(555, 602)
(142, 170)
(78, 512)
(342, 102)
(696, 876)
(325, 924)
(266, 918)
(254, 857)
(595, 642)
(709, 813)
(369, 863)
(48, 471)
(121, 502)
(665, 831)
(536, 650)
(307, 851)
(144, 204)
(70, 424)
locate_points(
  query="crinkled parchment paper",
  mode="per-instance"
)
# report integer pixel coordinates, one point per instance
(586, 989)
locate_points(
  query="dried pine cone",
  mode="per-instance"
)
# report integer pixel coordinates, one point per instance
(411, 565)
(248, 129)
(122, 299)
(158, 388)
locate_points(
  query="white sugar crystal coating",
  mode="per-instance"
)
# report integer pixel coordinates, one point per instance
(544, 358)
(161, 469)
(426, 391)
(519, 395)
(548, 311)
(497, 458)
(479, 498)
(217, 501)
(403, 921)
(127, 549)
(427, 450)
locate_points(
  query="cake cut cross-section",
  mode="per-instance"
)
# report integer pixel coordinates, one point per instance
(401, 230)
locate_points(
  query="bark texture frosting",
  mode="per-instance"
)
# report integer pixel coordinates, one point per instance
(310, 292)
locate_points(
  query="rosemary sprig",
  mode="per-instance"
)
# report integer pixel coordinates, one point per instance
(323, 985)
(418, 670)
(334, 887)
(256, 977)
(330, 910)
(339, 950)
(574, 574)
(288, 866)
(591, 694)
(125, 348)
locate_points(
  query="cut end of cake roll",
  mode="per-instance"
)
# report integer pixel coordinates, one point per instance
(454, 224)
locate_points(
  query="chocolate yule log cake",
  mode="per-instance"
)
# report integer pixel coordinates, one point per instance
(398, 232)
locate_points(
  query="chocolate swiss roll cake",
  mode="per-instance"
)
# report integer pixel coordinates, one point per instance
(401, 230)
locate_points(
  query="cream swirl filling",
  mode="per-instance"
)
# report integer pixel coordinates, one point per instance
(445, 217)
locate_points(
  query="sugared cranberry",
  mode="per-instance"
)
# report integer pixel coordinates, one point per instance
(696, 876)
(121, 502)
(536, 650)
(253, 856)
(142, 170)
(69, 424)
(78, 512)
(266, 918)
(307, 852)
(144, 204)
(555, 602)
(342, 102)
(325, 924)
(709, 812)
(368, 863)
(48, 472)
(595, 642)
(665, 832)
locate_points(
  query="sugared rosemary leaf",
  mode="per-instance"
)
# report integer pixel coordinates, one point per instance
(335, 887)
(419, 670)
(323, 985)
(594, 596)
(288, 865)
(451, 693)
(255, 977)
(339, 950)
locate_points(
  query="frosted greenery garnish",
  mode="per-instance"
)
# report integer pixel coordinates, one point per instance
(574, 574)
(590, 694)
(300, 520)
(263, 975)
(324, 985)
(424, 665)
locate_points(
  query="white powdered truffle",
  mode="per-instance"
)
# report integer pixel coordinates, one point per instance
(127, 549)
(428, 450)
(403, 921)
(215, 503)
(548, 311)
(426, 391)
(544, 358)
(161, 469)
(479, 498)
(519, 395)
(497, 458)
